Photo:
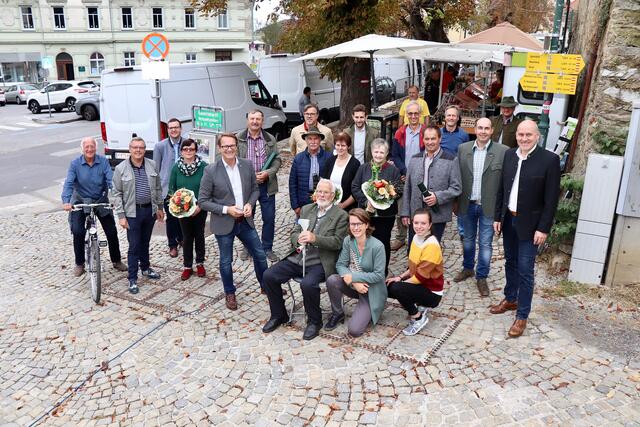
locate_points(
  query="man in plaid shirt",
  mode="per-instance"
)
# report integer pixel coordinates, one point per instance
(260, 147)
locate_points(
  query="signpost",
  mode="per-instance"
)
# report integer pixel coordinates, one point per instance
(47, 64)
(155, 47)
(208, 123)
(553, 83)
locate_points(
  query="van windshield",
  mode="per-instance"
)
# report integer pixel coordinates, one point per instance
(260, 94)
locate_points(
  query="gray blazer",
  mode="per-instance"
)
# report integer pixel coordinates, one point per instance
(216, 192)
(124, 188)
(329, 235)
(444, 182)
(165, 158)
(491, 175)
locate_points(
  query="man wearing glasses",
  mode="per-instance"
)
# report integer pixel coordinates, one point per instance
(137, 200)
(165, 154)
(229, 191)
(297, 142)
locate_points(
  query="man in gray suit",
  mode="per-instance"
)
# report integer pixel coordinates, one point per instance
(481, 171)
(229, 190)
(439, 171)
(323, 240)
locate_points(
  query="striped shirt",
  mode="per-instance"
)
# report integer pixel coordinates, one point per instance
(256, 151)
(479, 156)
(143, 191)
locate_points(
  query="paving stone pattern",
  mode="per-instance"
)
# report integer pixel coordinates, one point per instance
(196, 363)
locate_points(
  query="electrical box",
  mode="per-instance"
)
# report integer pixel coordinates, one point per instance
(595, 220)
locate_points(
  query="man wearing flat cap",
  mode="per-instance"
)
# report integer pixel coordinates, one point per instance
(505, 125)
(306, 168)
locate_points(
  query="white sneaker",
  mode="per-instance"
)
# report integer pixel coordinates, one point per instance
(416, 326)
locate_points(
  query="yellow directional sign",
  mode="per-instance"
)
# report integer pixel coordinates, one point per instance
(554, 63)
(552, 83)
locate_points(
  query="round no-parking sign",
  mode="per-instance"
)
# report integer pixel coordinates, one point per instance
(155, 46)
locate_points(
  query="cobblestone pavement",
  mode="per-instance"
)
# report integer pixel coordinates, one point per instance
(174, 355)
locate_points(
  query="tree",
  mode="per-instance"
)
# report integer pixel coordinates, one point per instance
(524, 14)
(271, 34)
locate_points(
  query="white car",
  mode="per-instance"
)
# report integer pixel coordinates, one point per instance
(3, 99)
(19, 92)
(62, 94)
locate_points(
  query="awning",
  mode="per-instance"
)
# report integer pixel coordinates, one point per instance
(234, 46)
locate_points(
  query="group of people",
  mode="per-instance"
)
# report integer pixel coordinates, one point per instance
(339, 237)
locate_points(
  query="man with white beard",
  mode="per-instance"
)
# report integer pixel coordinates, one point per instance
(323, 241)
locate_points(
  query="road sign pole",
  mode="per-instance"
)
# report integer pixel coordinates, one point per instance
(48, 103)
(543, 125)
(157, 97)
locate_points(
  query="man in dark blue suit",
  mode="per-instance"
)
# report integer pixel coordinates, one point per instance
(525, 207)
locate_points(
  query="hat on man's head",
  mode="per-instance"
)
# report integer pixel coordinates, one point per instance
(313, 131)
(508, 101)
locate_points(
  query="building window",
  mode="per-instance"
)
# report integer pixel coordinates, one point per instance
(27, 17)
(96, 62)
(93, 18)
(127, 18)
(58, 18)
(223, 20)
(191, 58)
(157, 17)
(223, 55)
(129, 59)
(189, 19)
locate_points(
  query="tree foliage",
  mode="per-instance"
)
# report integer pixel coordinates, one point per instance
(526, 15)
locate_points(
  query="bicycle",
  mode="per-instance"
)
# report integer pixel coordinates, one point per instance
(92, 246)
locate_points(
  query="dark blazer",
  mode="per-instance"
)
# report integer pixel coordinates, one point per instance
(369, 135)
(509, 137)
(347, 177)
(329, 234)
(538, 191)
(216, 192)
(389, 173)
(491, 175)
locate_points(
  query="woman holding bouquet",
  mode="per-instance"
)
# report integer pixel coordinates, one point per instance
(422, 283)
(384, 187)
(360, 275)
(187, 173)
(341, 168)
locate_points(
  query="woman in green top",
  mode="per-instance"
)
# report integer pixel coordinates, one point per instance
(360, 275)
(187, 173)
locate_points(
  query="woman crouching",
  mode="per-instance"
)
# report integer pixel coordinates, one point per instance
(360, 275)
(423, 282)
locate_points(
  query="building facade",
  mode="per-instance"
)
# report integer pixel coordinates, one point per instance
(84, 37)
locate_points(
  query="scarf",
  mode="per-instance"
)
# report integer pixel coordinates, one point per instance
(188, 169)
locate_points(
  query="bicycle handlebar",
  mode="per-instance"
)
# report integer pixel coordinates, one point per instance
(81, 206)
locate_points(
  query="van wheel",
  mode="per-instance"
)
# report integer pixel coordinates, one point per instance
(71, 104)
(89, 113)
(34, 107)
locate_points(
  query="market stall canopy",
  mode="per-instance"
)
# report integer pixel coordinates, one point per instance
(363, 47)
(468, 53)
(505, 34)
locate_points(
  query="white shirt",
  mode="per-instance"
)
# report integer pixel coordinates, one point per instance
(236, 184)
(337, 172)
(513, 197)
(359, 137)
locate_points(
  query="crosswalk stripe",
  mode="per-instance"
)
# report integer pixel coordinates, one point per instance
(5, 127)
(30, 125)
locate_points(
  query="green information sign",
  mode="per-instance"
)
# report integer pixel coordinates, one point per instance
(208, 119)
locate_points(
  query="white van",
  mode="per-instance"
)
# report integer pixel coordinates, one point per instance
(127, 105)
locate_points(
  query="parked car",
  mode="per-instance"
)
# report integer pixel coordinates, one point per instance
(385, 90)
(62, 94)
(3, 100)
(89, 107)
(19, 92)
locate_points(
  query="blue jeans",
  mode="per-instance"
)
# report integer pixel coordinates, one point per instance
(461, 226)
(477, 224)
(520, 258)
(249, 237)
(139, 235)
(268, 210)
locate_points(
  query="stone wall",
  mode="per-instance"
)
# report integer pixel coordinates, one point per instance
(616, 76)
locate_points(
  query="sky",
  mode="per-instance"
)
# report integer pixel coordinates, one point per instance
(260, 15)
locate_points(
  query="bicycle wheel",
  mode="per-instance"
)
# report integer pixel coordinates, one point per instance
(95, 270)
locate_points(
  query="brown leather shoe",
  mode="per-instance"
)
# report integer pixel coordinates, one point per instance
(78, 270)
(230, 301)
(173, 252)
(517, 328)
(396, 244)
(482, 287)
(462, 275)
(503, 307)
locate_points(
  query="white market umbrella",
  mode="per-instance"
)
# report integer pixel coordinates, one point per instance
(367, 47)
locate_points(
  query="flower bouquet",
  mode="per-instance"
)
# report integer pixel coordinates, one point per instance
(336, 198)
(379, 192)
(182, 203)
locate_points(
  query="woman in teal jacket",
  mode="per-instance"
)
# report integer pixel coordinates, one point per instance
(360, 275)
(187, 173)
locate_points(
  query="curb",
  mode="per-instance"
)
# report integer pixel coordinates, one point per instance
(53, 120)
